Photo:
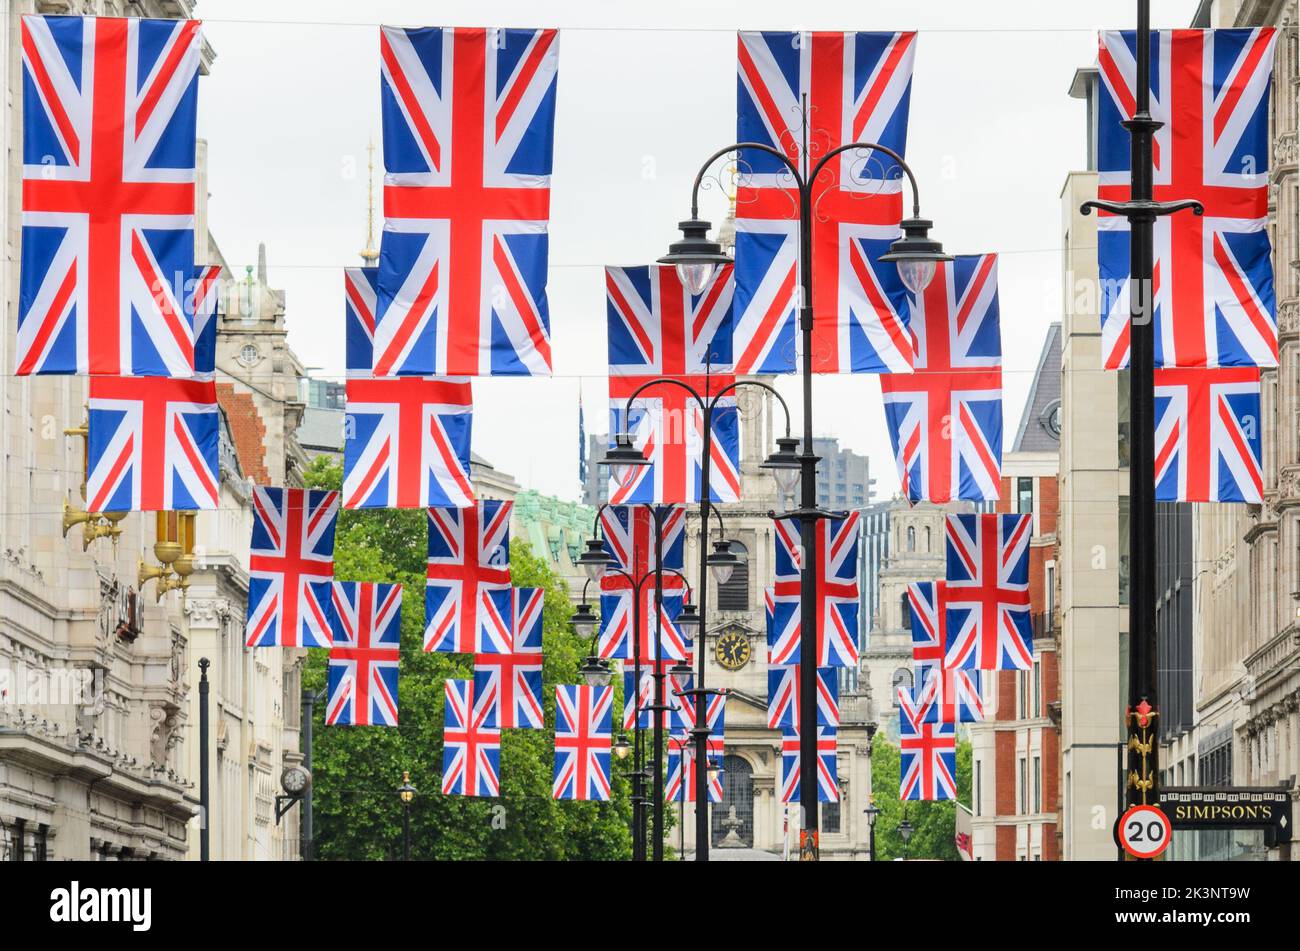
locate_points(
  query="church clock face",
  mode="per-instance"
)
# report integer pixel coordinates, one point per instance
(732, 651)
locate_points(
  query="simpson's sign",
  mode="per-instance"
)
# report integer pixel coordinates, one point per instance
(1192, 807)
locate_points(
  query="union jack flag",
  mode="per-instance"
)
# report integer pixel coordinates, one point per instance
(783, 697)
(945, 418)
(681, 713)
(657, 328)
(837, 589)
(513, 681)
(291, 567)
(406, 444)
(363, 661)
(943, 694)
(857, 88)
(987, 600)
(109, 110)
(468, 121)
(679, 784)
(1208, 435)
(782, 619)
(628, 532)
(151, 444)
(360, 294)
(471, 743)
(583, 718)
(619, 615)
(201, 304)
(828, 787)
(467, 600)
(1213, 278)
(927, 754)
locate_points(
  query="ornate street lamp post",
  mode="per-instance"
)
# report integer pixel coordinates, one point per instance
(721, 561)
(695, 256)
(406, 793)
(1142, 212)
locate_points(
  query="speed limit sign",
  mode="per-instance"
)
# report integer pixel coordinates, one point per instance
(1144, 832)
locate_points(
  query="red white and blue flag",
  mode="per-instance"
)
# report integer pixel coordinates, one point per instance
(682, 760)
(657, 328)
(364, 659)
(680, 712)
(837, 590)
(945, 418)
(467, 597)
(583, 722)
(927, 754)
(406, 444)
(471, 742)
(828, 787)
(628, 532)
(513, 681)
(850, 87)
(987, 600)
(151, 444)
(783, 697)
(109, 113)
(291, 567)
(201, 304)
(1213, 281)
(468, 123)
(942, 693)
(1208, 435)
(627, 627)
(361, 305)
(782, 619)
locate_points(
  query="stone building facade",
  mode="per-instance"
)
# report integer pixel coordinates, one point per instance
(98, 672)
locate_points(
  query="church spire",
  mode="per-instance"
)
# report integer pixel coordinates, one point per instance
(370, 255)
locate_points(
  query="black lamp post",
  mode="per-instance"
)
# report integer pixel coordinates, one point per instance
(1142, 212)
(406, 792)
(905, 831)
(916, 255)
(721, 561)
(872, 811)
(596, 671)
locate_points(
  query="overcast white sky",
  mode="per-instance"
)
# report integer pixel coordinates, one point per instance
(646, 93)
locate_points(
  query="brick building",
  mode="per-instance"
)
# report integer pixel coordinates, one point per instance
(1016, 752)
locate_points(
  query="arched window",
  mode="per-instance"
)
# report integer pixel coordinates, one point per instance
(734, 816)
(911, 538)
(927, 539)
(907, 613)
(734, 595)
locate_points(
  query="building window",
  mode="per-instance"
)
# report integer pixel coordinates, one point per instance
(1024, 496)
(734, 595)
(911, 538)
(907, 612)
(1024, 787)
(927, 539)
(1038, 785)
(1021, 702)
(1037, 710)
(830, 816)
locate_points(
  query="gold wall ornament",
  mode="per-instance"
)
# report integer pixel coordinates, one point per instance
(174, 548)
(1141, 741)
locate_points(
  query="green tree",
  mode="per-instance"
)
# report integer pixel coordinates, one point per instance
(933, 822)
(357, 770)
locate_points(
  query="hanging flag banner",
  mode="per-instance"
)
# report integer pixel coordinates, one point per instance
(109, 120)
(1215, 305)
(806, 94)
(945, 418)
(1208, 435)
(291, 567)
(363, 661)
(657, 328)
(469, 127)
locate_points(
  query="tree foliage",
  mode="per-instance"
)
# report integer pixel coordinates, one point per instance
(934, 823)
(357, 770)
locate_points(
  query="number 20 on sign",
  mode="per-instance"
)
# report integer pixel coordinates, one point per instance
(1144, 831)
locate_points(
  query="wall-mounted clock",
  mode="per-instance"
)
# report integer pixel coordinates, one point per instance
(732, 651)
